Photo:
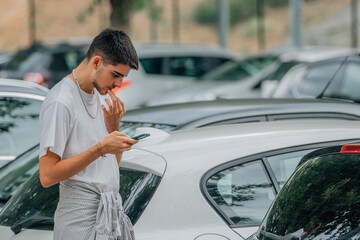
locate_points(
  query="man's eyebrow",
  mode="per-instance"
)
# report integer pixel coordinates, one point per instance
(119, 73)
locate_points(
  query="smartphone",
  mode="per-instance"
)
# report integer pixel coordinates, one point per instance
(141, 136)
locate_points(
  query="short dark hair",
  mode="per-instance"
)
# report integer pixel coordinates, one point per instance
(115, 47)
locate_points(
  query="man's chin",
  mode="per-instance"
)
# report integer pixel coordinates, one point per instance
(102, 91)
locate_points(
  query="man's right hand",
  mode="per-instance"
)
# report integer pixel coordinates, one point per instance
(117, 143)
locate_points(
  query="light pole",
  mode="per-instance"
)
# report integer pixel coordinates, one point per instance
(354, 23)
(295, 13)
(223, 22)
(32, 24)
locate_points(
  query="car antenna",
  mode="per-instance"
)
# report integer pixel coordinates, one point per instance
(320, 96)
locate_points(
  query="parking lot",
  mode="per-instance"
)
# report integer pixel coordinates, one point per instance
(239, 145)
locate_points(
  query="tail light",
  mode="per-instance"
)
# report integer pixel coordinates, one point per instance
(351, 148)
(124, 84)
(35, 77)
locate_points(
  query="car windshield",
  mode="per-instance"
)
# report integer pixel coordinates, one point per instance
(282, 70)
(17, 172)
(136, 188)
(20, 57)
(238, 70)
(319, 201)
(129, 128)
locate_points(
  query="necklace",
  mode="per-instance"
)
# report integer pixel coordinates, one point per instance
(77, 84)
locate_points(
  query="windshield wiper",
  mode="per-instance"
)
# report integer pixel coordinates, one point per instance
(31, 221)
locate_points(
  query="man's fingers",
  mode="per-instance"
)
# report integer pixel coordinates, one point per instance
(122, 106)
(112, 95)
(104, 109)
(108, 102)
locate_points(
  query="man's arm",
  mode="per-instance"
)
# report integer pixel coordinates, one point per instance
(53, 170)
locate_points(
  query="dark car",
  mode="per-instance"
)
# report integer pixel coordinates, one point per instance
(44, 64)
(321, 200)
(219, 112)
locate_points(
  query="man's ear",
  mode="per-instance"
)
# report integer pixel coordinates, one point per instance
(96, 62)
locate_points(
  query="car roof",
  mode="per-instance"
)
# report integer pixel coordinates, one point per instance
(335, 59)
(316, 53)
(152, 49)
(20, 86)
(203, 148)
(184, 113)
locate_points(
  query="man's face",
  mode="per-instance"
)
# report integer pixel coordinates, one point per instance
(109, 76)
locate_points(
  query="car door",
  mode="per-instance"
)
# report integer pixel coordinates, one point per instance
(242, 190)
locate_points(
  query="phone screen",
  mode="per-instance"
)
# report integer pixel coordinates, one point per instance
(141, 136)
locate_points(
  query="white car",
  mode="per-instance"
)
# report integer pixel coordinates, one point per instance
(209, 183)
(334, 78)
(165, 67)
(262, 84)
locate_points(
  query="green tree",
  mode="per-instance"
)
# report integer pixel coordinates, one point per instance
(121, 11)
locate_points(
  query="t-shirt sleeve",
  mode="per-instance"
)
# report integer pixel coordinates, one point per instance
(54, 128)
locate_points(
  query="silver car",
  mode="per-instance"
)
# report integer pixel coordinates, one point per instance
(165, 67)
(335, 78)
(209, 183)
(259, 85)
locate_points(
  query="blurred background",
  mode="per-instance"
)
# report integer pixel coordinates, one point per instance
(253, 25)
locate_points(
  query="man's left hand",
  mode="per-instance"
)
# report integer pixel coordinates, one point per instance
(114, 114)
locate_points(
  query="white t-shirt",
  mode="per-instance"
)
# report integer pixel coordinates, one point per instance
(68, 130)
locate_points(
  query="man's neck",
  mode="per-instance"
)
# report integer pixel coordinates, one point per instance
(83, 79)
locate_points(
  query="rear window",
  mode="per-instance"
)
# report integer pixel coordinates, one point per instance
(282, 70)
(19, 125)
(129, 128)
(17, 172)
(319, 201)
(136, 189)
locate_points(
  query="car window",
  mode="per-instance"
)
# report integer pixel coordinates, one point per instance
(193, 66)
(317, 78)
(136, 188)
(242, 193)
(152, 65)
(17, 172)
(19, 125)
(129, 128)
(283, 165)
(20, 57)
(282, 70)
(35, 62)
(320, 201)
(230, 71)
(350, 85)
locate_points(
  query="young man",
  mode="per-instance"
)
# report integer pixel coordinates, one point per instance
(81, 146)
